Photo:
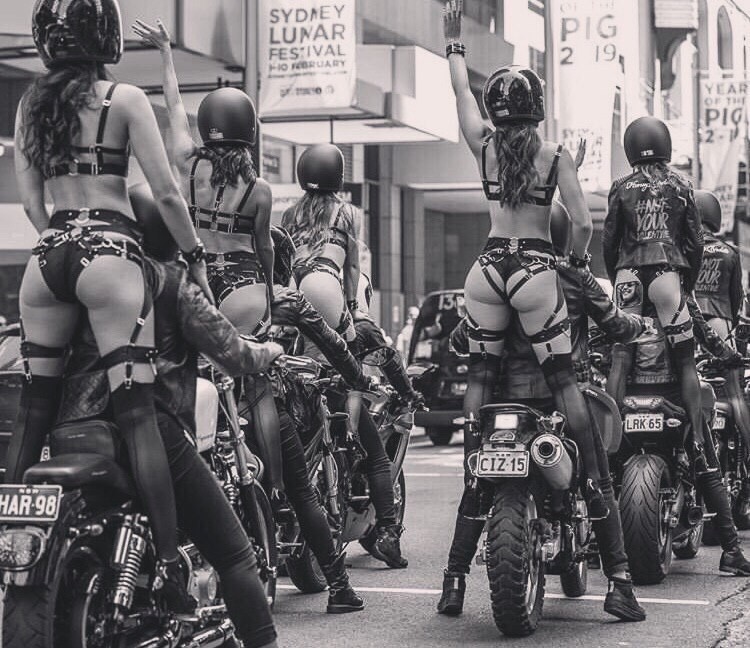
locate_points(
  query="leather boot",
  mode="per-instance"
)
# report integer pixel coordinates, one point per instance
(341, 596)
(621, 602)
(733, 562)
(454, 588)
(171, 581)
(388, 546)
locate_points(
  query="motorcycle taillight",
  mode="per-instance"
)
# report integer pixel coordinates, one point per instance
(21, 549)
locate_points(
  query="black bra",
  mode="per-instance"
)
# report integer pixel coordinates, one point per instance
(219, 221)
(336, 236)
(99, 166)
(547, 189)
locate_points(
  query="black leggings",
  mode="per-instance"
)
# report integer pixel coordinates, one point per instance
(377, 464)
(205, 515)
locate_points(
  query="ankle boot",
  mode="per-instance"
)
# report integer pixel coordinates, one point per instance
(454, 587)
(171, 581)
(733, 562)
(621, 602)
(341, 596)
(388, 546)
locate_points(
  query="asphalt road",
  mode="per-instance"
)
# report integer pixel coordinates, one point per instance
(694, 608)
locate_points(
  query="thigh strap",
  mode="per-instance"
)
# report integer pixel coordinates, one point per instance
(482, 336)
(32, 350)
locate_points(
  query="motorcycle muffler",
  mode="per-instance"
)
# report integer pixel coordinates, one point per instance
(554, 462)
(212, 637)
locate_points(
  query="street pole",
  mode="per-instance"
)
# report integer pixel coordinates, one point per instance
(697, 110)
(252, 77)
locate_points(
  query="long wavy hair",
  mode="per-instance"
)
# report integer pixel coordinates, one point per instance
(661, 175)
(50, 112)
(516, 148)
(228, 164)
(311, 218)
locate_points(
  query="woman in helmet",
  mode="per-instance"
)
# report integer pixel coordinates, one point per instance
(74, 132)
(230, 205)
(324, 229)
(516, 272)
(653, 245)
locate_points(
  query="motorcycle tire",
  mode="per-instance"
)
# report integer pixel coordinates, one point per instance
(648, 538)
(710, 537)
(261, 528)
(305, 573)
(440, 436)
(515, 571)
(741, 514)
(399, 497)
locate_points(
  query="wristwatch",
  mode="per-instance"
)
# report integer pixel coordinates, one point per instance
(352, 305)
(455, 48)
(195, 255)
(578, 262)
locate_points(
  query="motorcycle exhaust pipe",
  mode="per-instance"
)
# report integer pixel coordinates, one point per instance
(694, 515)
(213, 637)
(553, 461)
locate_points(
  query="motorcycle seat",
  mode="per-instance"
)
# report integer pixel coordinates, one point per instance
(724, 408)
(81, 469)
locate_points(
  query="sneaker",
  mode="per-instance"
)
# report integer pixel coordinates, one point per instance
(621, 602)
(388, 546)
(734, 562)
(454, 587)
(341, 596)
(595, 502)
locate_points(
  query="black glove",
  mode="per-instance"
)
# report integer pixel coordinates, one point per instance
(734, 360)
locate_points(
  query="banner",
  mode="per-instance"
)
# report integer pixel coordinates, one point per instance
(307, 52)
(587, 69)
(723, 131)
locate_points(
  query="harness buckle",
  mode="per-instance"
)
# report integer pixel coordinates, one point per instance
(513, 245)
(84, 215)
(214, 226)
(85, 262)
(106, 103)
(73, 173)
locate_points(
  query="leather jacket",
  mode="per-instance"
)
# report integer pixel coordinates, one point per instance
(186, 324)
(652, 223)
(290, 308)
(522, 376)
(718, 289)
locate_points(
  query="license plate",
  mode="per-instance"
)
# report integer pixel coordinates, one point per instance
(26, 503)
(458, 389)
(644, 422)
(503, 463)
(719, 423)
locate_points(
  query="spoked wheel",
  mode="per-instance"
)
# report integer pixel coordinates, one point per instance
(575, 581)
(645, 509)
(514, 565)
(257, 516)
(399, 497)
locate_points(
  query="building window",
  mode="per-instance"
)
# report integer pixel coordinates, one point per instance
(725, 41)
(536, 62)
(537, 6)
(371, 208)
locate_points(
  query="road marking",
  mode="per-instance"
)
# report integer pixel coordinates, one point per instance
(549, 595)
(418, 474)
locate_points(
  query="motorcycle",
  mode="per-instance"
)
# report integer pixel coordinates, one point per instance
(526, 473)
(77, 555)
(730, 449)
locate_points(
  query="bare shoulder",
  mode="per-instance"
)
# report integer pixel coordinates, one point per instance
(131, 99)
(262, 196)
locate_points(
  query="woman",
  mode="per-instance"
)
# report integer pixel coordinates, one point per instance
(74, 131)
(516, 271)
(653, 246)
(324, 229)
(236, 228)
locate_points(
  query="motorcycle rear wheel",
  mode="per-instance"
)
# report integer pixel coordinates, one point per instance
(514, 566)
(257, 518)
(648, 537)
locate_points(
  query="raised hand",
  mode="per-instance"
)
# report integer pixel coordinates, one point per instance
(452, 14)
(157, 36)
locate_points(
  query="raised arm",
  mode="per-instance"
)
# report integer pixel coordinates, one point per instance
(572, 197)
(612, 233)
(181, 144)
(692, 239)
(351, 264)
(262, 231)
(30, 181)
(470, 119)
(145, 139)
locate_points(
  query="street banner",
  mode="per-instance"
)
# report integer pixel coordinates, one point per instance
(586, 64)
(307, 57)
(723, 132)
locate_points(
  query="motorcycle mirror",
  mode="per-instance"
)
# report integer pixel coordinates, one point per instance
(378, 357)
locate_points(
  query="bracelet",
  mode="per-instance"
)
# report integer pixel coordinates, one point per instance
(195, 255)
(352, 305)
(578, 262)
(456, 47)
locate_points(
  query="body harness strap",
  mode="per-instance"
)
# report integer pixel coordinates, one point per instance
(98, 150)
(231, 220)
(32, 350)
(531, 262)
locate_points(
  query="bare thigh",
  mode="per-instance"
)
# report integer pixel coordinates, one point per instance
(665, 293)
(246, 307)
(324, 292)
(113, 291)
(488, 310)
(723, 329)
(46, 321)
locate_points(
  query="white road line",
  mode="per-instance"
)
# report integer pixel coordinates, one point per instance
(419, 474)
(549, 595)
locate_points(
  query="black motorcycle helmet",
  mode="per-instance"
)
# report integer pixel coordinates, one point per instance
(710, 210)
(513, 94)
(560, 227)
(73, 31)
(158, 243)
(321, 168)
(647, 139)
(283, 256)
(227, 116)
